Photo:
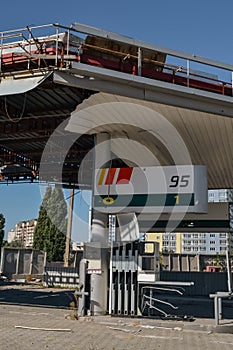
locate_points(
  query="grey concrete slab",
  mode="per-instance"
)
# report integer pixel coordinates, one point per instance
(48, 324)
(54, 330)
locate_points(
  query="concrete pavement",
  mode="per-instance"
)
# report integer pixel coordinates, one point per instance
(36, 318)
(30, 327)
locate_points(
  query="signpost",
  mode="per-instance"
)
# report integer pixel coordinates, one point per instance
(166, 189)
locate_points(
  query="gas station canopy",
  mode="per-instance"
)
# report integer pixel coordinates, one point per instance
(89, 81)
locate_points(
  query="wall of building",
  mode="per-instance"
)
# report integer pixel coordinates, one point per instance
(23, 232)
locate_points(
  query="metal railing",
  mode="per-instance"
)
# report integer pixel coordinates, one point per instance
(172, 54)
(37, 46)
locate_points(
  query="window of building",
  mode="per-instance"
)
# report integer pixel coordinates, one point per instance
(212, 235)
(212, 242)
(202, 241)
(222, 194)
(212, 248)
(223, 241)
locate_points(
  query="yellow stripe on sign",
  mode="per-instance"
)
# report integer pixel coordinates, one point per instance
(101, 176)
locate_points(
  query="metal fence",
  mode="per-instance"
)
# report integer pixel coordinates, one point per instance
(19, 263)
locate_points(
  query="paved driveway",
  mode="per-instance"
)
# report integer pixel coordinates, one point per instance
(36, 318)
(27, 327)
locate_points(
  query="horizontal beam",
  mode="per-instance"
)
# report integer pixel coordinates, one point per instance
(23, 140)
(105, 80)
(186, 226)
(173, 283)
(31, 124)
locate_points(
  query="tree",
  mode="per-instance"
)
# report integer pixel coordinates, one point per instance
(43, 222)
(57, 209)
(2, 225)
(50, 231)
(17, 243)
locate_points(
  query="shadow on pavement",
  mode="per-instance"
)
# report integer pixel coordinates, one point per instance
(16, 293)
(34, 295)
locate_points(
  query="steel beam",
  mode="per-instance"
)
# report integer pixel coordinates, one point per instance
(105, 80)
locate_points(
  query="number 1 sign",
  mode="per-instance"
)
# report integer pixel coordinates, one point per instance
(180, 188)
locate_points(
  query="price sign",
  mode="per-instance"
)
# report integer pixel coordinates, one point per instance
(151, 189)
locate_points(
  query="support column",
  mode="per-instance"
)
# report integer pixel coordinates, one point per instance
(17, 262)
(31, 262)
(2, 261)
(216, 310)
(82, 284)
(99, 239)
(229, 274)
(102, 156)
(220, 308)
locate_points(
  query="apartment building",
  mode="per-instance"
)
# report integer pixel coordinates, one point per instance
(220, 195)
(205, 243)
(23, 232)
(191, 243)
(168, 242)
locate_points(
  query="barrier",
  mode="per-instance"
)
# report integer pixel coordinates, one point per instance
(61, 276)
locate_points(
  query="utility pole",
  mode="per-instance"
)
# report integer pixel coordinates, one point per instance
(69, 228)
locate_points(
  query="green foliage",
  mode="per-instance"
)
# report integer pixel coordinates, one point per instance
(17, 243)
(50, 231)
(57, 209)
(2, 225)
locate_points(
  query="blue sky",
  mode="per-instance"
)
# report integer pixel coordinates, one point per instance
(198, 27)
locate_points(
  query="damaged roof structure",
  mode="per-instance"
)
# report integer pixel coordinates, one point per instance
(49, 72)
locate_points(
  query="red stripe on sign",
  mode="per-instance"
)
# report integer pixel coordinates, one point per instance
(110, 176)
(124, 176)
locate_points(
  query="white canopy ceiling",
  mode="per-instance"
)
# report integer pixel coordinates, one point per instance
(150, 133)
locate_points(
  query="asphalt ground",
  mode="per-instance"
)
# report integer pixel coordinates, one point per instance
(49, 324)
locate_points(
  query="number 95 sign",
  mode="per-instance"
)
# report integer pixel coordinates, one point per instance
(180, 188)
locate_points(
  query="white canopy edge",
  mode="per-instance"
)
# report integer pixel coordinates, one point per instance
(13, 86)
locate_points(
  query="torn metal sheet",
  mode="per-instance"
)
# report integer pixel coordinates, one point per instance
(11, 86)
